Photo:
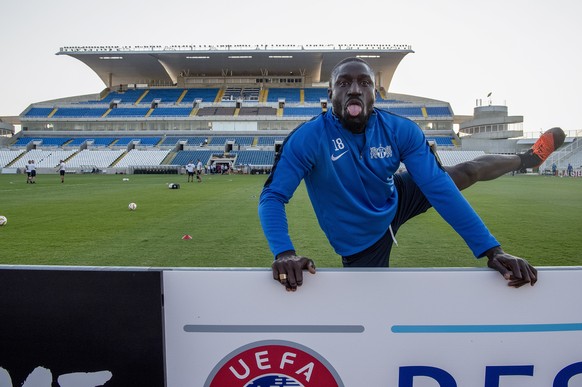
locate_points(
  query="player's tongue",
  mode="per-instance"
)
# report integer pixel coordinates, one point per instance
(354, 110)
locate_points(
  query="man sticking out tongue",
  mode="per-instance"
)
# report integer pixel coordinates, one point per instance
(358, 194)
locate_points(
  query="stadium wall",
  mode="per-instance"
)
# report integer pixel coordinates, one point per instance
(237, 327)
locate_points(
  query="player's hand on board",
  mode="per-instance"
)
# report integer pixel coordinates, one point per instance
(514, 269)
(288, 269)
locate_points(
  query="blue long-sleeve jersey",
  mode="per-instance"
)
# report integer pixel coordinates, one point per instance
(349, 179)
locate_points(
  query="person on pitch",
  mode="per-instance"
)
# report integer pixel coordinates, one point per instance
(349, 157)
(62, 170)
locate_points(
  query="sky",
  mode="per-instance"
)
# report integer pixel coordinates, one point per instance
(526, 53)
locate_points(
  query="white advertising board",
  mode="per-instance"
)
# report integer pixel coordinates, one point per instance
(399, 328)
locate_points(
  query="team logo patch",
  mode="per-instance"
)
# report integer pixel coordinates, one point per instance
(380, 152)
(273, 363)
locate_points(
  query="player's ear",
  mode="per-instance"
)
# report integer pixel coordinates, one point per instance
(329, 93)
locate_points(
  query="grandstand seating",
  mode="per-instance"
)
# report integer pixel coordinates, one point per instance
(191, 140)
(302, 111)
(438, 111)
(97, 158)
(451, 157)
(246, 94)
(40, 112)
(128, 112)
(143, 141)
(288, 94)
(142, 158)
(164, 95)
(314, 95)
(406, 111)
(44, 141)
(23, 141)
(96, 141)
(7, 156)
(257, 111)
(216, 111)
(79, 112)
(238, 140)
(206, 95)
(43, 158)
(441, 141)
(255, 157)
(184, 157)
(171, 112)
(269, 140)
(128, 96)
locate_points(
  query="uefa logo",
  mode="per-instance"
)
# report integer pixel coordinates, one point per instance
(273, 363)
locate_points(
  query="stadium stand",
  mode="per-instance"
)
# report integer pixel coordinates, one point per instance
(128, 112)
(79, 112)
(43, 158)
(142, 158)
(171, 112)
(128, 96)
(269, 140)
(238, 140)
(314, 95)
(255, 158)
(204, 95)
(184, 157)
(188, 113)
(97, 158)
(8, 156)
(190, 141)
(40, 112)
(140, 141)
(288, 94)
(302, 111)
(163, 95)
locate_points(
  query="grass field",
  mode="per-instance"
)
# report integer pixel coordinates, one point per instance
(85, 221)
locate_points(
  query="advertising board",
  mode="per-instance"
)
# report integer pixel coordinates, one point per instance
(405, 328)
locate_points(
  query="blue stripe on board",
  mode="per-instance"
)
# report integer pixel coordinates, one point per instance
(504, 328)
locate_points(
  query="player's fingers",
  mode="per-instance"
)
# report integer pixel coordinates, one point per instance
(291, 281)
(529, 276)
(298, 275)
(496, 265)
(516, 268)
(311, 266)
(275, 270)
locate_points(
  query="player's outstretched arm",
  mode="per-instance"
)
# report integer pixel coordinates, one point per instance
(288, 269)
(514, 269)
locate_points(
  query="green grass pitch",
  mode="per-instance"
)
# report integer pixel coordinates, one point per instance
(86, 222)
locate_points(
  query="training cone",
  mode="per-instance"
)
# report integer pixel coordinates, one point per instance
(186, 237)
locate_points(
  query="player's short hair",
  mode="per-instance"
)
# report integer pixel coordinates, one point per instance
(335, 69)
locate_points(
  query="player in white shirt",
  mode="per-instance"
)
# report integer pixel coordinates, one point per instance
(190, 170)
(31, 172)
(62, 168)
(199, 171)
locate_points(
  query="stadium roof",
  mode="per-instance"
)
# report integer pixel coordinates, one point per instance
(117, 65)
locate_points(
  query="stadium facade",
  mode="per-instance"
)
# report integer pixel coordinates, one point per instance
(228, 99)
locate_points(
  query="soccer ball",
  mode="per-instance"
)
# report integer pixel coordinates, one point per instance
(132, 206)
(3, 220)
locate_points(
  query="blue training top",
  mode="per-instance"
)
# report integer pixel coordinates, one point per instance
(349, 179)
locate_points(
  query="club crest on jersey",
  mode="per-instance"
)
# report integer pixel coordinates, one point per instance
(380, 152)
(273, 363)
